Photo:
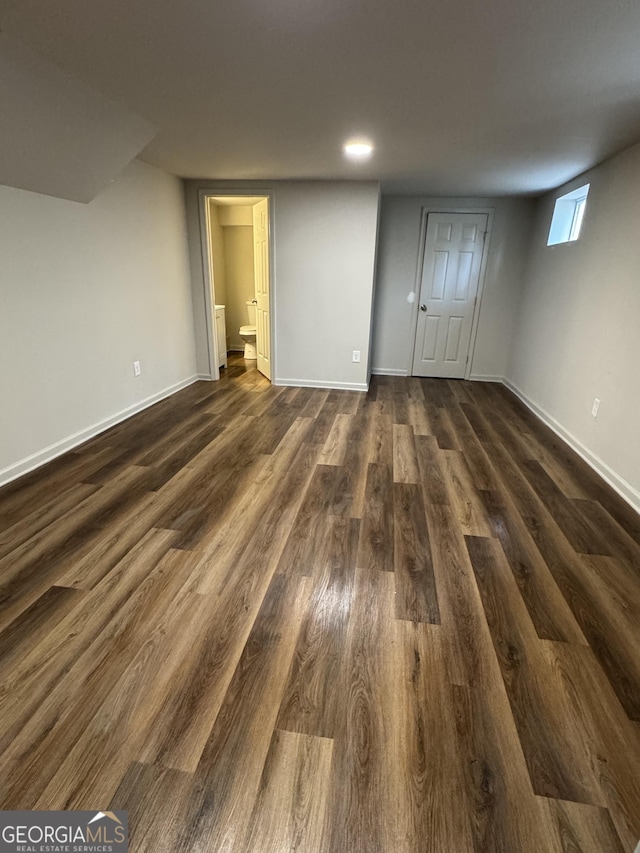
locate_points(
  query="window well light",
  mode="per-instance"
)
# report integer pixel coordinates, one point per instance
(568, 214)
(358, 149)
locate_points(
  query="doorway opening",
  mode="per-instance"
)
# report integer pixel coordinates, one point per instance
(239, 271)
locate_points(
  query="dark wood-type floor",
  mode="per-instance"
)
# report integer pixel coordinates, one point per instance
(278, 619)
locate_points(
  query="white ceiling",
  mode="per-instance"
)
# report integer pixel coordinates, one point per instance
(460, 97)
(60, 137)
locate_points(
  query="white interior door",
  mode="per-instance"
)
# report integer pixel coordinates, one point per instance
(261, 273)
(449, 286)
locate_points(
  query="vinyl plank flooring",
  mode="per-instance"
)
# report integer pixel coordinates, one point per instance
(461, 617)
(436, 392)
(346, 401)
(419, 418)
(608, 736)
(291, 804)
(349, 493)
(584, 537)
(35, 624)
(180, 731)
(238, 524)
(310, 704)
(181, 727)
(57, 725)
(109, 546)
(170, 462)
(495, 790)
(444, 430)
(105, 617)
(548, 609)
(415, 585)
(463, 496)
(271, 619)
(429, 771)
(15, 535)
(314, 404)
(384, 397)
(495, 775)
(568, 571)
(617, 642)
(565, 480)
(272, 430)
(482, 472)
(558, 765)
(461, 390)
(432, 478)
(400, 407)
(335, 447)
(39, 562)
(28, 495)
(228, 776)
(619, 543)
(312, 523)
(507, 816)
(375, 550)
(361, 804)
(154, 797)
(97, 758)
(323, 422)
(502, 424)
(573, 466)
(380, 438)
(581, 828)
(405, 463)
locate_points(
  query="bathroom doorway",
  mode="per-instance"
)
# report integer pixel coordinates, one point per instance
(238, 249)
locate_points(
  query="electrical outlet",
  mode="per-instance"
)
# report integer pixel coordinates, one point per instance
(595, 407)
(136, 368)
(356, 356)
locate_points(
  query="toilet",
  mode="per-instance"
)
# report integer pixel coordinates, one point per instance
(248, 332)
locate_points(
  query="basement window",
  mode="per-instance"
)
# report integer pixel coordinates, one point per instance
(568, 215)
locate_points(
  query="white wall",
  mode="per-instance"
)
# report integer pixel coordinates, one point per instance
(578, 330)
(84, 291)
(399, 246)
(235, 214)
(216, 254)
(324, 235)
(326, 246)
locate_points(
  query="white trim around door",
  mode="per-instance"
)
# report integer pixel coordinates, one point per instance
(489, 211)
(204, 194)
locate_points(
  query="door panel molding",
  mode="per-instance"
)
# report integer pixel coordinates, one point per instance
(424, 215)
(261, 279)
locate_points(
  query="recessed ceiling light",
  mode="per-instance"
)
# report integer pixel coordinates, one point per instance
(358, 149)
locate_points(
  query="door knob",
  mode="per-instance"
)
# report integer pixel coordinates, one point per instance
(423, 307)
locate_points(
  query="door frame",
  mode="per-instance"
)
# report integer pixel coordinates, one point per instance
(424, 216)
(209, 285)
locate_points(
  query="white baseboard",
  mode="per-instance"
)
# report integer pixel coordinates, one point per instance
(479, 377)
(391, 371)
(51, 452)
(312, 383)
(626, 491)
